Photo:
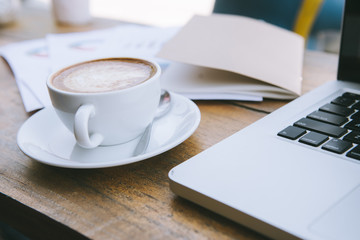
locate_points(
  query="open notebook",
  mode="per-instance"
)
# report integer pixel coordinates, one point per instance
(226, 55)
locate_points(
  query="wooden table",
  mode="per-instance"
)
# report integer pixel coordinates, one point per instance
(126, 202)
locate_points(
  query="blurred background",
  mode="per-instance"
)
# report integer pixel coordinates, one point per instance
(163, 13)
(321, 18)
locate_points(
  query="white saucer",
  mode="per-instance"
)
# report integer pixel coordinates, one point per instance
(44, 138)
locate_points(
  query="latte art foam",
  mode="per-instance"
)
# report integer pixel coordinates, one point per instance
(103, 75)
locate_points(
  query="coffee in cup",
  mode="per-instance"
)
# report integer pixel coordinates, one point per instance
(106, 101)
(103, 75)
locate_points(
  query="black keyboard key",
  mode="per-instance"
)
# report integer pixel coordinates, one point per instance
(354, 153)
(356, 116)
(337, 146)
(356, 106)
(328, 118)
(336, 109)
(325, 128)
(351, 95)
(353, 137)
(353, 125)
(292, 132)
(343, 101)
(314, 139)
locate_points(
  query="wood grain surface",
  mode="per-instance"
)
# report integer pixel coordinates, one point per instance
(126, 202)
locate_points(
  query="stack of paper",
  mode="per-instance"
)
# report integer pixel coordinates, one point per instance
(234, 57)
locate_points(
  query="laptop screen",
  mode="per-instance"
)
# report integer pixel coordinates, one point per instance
(349, 59)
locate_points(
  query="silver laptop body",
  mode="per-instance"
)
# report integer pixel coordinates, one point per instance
(279, 187)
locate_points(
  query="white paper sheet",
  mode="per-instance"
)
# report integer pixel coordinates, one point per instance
(30, 64)
(139, 41)
(69, 48)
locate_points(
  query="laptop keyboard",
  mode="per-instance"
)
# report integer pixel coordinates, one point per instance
(334, 127)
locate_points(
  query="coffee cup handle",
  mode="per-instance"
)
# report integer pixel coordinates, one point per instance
(81, 129)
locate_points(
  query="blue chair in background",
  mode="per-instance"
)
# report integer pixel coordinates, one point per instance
(309, 18)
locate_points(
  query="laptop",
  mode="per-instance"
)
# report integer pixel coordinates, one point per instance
(296, 172)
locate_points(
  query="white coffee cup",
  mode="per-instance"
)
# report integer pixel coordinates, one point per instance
(71, 12)
(104, 114)
(9, 10)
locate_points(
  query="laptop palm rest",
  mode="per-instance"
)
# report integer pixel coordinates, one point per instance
(341, 220)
